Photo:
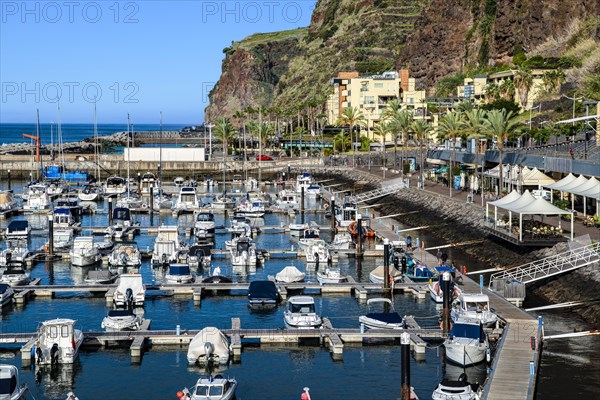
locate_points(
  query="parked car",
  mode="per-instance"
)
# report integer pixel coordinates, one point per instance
(264, 157)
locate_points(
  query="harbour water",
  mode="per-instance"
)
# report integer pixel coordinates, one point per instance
(267, 372)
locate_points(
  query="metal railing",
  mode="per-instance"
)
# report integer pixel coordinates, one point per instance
(379, 192)
(549, 266)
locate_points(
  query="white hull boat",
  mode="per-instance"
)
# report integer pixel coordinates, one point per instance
(125, 256)
(331, 275)
(474, 306)
(13, 390)
(130, 291)
(376, 276)
(100, 277)
(37, 199)
(436, 294)
(187, 200)
(217, 388)
(384, 319)
(16, 251)
(166, 245)
(460, 389)
(178, 274)
(83, 252)
(115, 185)
(467, 343)
(223, 203)
(14, 276)
(244, 253)
(205, 225)
(210, 345)
(300, 313)
(6, 294)
(121, 320)
(8, 202)
(58, 342)
(290, 274)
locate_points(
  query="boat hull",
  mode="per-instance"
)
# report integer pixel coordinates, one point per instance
(462, 352)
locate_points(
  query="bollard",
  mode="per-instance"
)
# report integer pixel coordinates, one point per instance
(302, 205)
(289, 171)
(139, 181)
(405, 361)
(9, 182)
(386, 265)
(446, 297)
(359, 250)
(110, 216)
(178, 330)
(480, 283)
(50, 235)
(151, 206)
(531, 368)
(362, 328)
(332, 207)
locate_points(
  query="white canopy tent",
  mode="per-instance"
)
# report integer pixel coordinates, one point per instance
(580, 186)
(520, 176)
(535, 177)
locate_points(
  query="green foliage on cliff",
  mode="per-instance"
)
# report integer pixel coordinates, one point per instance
(263, 38)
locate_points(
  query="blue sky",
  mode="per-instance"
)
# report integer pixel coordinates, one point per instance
(138, 57)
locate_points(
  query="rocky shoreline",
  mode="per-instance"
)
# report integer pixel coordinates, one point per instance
(464, 222)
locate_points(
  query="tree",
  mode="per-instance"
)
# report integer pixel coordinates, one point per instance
(465, 105)
(351, 117)
(225, 131)
(240, 115)
(523, 81)
(451, 127)
(474, 124)
(399, 121)
(500, 124)
(553, 79)
(421, 129)
(382, 130)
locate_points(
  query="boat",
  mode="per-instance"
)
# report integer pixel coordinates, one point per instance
(290, 274)
(15, 275)
(179, 273)
(62, 218)
(419, 273)
(101, 277)
(179, 181)
(251, 183)
(121, 223)
(10, 387)
(240, 225)
(313, 190)
(16, 251)
(223, 203)
(342, 241)
(84, 253)
(244, 253)
(376, 276)
(436, 293)
(236, 180)
(208, 181)
(346, 215)
(467, 343)
(217, 388)
(37, 198)
(8, 202)
(121, 320)
(476, 306)
(58, 342)
(205, 225)
(308, 237)
(331, 275)
(287, 200)
(148, 182)
(63, 240)
(56, 187)
(300, 313)
(125, 255)
(303, 181)
(216, 277)
(253, 209)
(17, 230)
(6, 294)
(199, 255)
(318, 252)
(90, 193)
(166, 245)
(209, 345)
(162, 202)
(187, 200)
(115, 185)
(297, 229)
(387, 318)
(459, 389)
(263, 294)
(130, 291)
(131, 200)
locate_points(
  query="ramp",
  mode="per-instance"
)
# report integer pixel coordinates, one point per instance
(388, 188)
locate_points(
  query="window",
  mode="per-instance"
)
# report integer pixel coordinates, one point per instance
(379, 86)
(369, 100)
(64, 331)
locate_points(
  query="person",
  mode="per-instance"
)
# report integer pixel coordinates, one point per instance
(571, 153)
(439, 254)
(71, 396)
(409, 243)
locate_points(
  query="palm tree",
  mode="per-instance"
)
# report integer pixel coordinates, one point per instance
(340, 142)
(351, 116)
(451, 127)
(474, 124)
(523, 82)
(224, 130)
(421, 129)
(465, 106)
(507, 89)
(492, 92)
(501, 125)
(239, 115)
(553, 79)
(400, 121)
(382, 130)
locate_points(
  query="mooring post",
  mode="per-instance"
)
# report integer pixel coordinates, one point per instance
(289, 171)
(332, 207)
(151, 206)
(139, 180)
(9, 182)
(405, 361)
(359, 250)
(386, 266)
(446, 277)
(50, 235)
(110, 219)
(302, 204)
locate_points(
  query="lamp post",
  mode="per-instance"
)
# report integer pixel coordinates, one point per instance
(210, 126)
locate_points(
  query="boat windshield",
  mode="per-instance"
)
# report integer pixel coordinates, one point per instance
(205, 217)
(302, 308)
(476, 306)
(8, 385)
(206, 390)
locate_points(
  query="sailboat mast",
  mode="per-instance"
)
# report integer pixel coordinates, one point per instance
(128, 139)
(96, 144)
(38, 142)
(60, 139)
(160, 158)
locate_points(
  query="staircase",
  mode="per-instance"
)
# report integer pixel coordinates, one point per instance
(546, 267)
(388, 188)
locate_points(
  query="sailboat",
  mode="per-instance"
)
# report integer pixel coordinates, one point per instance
(223, 202)
(93, 192)
(129, 201)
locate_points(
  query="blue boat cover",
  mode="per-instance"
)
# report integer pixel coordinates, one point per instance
(3, 287)
(468, 331)
(20, 225)
(120, 313)
(388, 318)
(262, 290)
(64, 211)
(179, 269)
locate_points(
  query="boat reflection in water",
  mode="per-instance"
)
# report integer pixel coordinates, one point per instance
(56, 380)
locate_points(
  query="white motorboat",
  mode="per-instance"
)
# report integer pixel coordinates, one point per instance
(15, 275)
(121, 320)
(101, 277)
(208, 182)
(303, 181)
(121, 223)
(331, 275)
(148, 181)
(346, 215)
(37, 198)
(313, 190)
(17, 230)
(16, 250)
(125, 255)
(300, 313)
(205, 225)
(244, 253)
(467, 343)
(10, 387)
(179, 273)
(223, 203)
(187, 200)
(386, 318)
(56, 188)
(308, 237)
(199, 256)
(342, 241)
(166, 245)
(62, 218)
(290, 274)
(63, 239)
(236, 180)
(179, 181)
(6, 294)
(8, 201)
(318, 252)
(297, 229)
(84, 253)
(287, 200)
(436, 293)
(251, 183)
(58, 342)
(474, 305)
(459, 389)
(209, 345)
(376, 276)
(240, 225)
(162, 203)
(253, 209)
(217, 388)
(130, 200)
(115, 185)
(130, 291)
(90, 193)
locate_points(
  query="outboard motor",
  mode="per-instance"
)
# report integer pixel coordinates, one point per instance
(123, 258)
(164, 260)
(129, 298)
(396, 262)
(8, 257)
(209, 349)
(54, 354)
(317, 260)
(463, 377)
(39, 355)
(404, 262)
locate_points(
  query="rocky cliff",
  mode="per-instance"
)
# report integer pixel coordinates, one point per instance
(433, 38)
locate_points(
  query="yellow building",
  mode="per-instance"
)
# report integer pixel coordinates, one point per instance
(371, 94)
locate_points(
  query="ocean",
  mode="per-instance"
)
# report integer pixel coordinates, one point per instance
(13, 133)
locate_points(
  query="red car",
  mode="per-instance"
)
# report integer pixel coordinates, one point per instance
(264, 157)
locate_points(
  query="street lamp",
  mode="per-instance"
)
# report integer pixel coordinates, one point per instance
(210, 126)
